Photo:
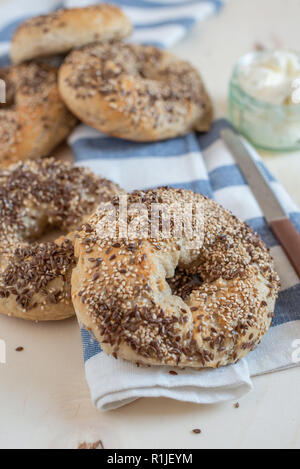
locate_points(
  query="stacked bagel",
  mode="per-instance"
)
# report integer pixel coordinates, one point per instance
(128, 91)
(201, 300)
(35, 119)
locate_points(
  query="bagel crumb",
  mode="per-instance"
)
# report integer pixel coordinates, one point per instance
(96, 445)
(19, 349)
(197, 431)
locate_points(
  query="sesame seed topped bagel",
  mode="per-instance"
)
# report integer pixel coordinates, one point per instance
(67, 29)
(36, 196)
(152, 301)
(34, 120)
(134, 92)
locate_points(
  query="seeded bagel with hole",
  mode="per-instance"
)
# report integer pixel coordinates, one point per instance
(35, 197)
(67, 29)
(134, 92)
(155, 302)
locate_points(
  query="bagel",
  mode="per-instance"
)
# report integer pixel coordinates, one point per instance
(34, 120)
(64, 30)
(36, 196)
(134, 92)
(215, 307)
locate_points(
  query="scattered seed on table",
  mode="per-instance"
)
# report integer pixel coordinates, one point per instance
(236, 405)
(172, 372)
(19, 349)
(196, 430)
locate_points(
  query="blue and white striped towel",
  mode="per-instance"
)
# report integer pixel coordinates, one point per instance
(203, 164)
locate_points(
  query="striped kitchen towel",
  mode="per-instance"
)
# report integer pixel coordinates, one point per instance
(202, 164)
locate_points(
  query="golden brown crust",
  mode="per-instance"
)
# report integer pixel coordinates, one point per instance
(35, 119)
(215, 307)
(36, 196)
(64, 30)
(134, 92)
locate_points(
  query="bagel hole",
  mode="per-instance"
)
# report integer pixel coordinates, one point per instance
(50, 235)
(183, 283)
(43, 232)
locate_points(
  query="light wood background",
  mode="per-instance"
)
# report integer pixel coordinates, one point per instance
(44, 399)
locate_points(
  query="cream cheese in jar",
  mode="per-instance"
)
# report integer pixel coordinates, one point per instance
(263, 99)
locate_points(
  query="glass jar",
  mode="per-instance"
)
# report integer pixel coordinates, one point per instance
(268, 126)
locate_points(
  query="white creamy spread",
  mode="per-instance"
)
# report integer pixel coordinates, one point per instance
(271, 76)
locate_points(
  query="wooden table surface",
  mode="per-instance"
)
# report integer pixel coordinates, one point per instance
(44, 399)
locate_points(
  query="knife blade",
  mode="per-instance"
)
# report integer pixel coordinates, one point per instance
(277, 218)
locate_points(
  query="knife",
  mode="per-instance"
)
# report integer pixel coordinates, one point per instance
(277, 218)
